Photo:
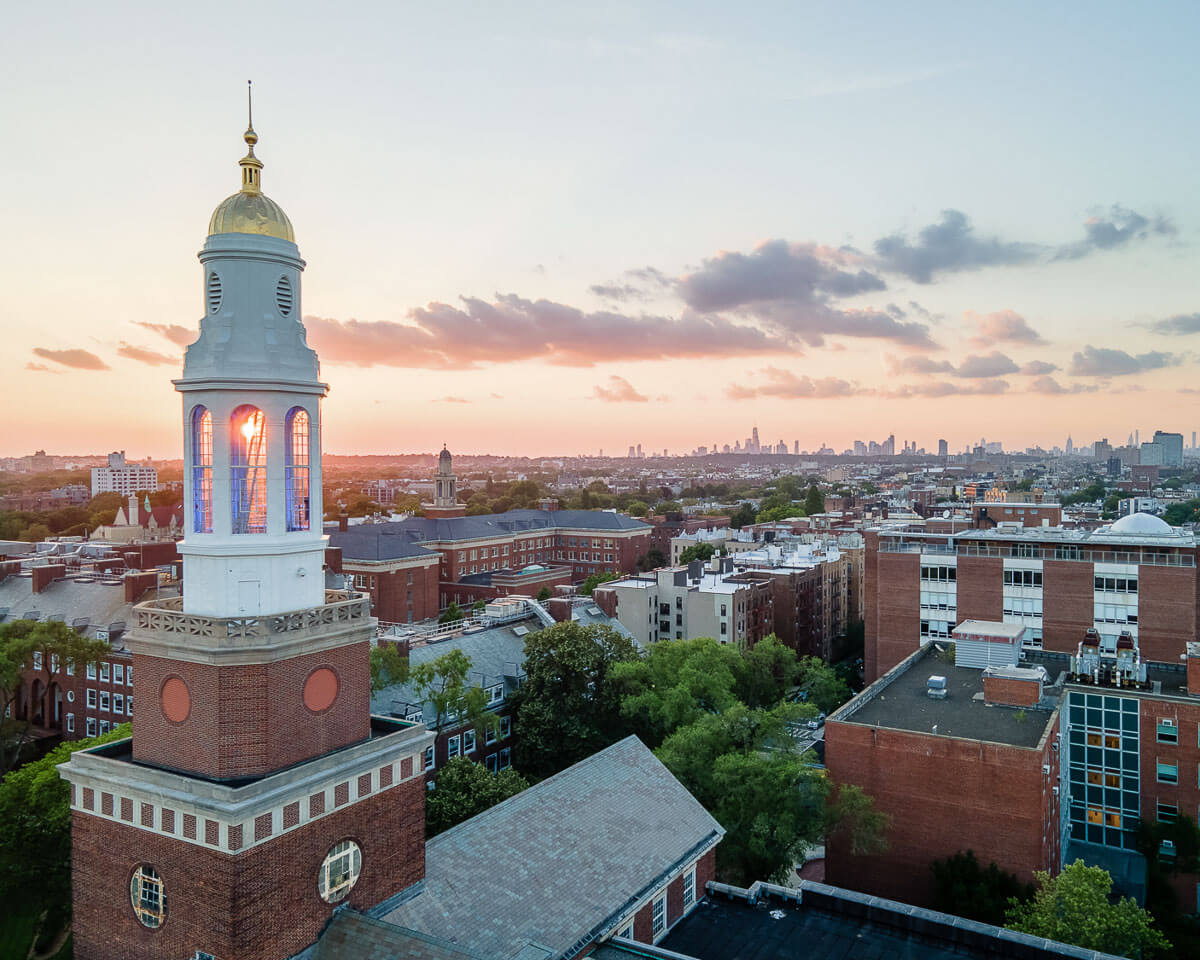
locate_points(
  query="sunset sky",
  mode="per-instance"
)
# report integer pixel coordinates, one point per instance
(554, 228)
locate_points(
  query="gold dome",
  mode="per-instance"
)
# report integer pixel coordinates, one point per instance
(251, 213)
(250, 210)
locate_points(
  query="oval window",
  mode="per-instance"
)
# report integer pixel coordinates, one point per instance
(148, 897)
(214, 293)
(339, 871)
(283, 296)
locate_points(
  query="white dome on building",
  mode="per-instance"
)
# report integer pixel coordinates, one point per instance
(1143, 525)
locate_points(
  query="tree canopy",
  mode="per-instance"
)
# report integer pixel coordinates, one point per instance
(465, 788)
(445, 682)
(388, 666)
(1074, 907)
(814, 501)
(964, 888)
(698, 551)
(594, 580)
(567, 708)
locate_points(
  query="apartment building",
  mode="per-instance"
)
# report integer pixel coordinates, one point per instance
(123, 478)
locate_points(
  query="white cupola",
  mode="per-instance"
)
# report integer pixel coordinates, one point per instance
(253, 542)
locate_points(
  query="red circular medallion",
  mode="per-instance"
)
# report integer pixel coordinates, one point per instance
(320, 689)
(176, 700)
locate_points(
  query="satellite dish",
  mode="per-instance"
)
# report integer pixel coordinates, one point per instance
(945, 514)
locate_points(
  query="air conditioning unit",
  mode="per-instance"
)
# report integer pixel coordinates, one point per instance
(1046, 769)
(1167, 722)
(1054, 790)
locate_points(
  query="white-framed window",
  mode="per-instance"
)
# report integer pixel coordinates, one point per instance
(658, 916)
(91, 726)
(505, 727)
(468, 741)
(91, 671)
(505, 758)
(104, 701)
(55, 663)
(118, 673)
(118, 703)
(689, 887)
(148, 897)
(626, 931)
(489, 736)
(37, 660)
(339, 871)
(70, 668)
(495, 694)
(105, 726)
(129, 705)
(430, 759)
(70, 723)
(91, 699)
(105, 672)
(452, 746)
(492, 763)
(129, 675)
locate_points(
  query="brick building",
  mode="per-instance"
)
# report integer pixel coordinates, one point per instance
(1033, 763)
(483, 557)
(1137, 575)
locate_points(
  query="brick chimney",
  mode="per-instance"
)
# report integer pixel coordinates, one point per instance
(44, 576)
(548, 504)
(9, 568)
(333, 559)
(138, 583)
(1193, 668)
(343, 523)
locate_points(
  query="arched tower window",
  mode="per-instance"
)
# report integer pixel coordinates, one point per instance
(248, 470)
(297, 468)
(202, 453)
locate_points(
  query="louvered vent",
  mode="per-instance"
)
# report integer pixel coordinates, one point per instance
(283, 296)
(214, 293)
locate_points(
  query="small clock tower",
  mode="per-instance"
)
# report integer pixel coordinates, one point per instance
(257, 792)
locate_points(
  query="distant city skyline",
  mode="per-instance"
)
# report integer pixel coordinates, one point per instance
(703, 221)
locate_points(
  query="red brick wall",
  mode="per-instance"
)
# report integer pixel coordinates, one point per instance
(391, 601)
(259, 905)
(1017, 693)
(980, 588)
(1068, 592)
(1166, 611)
(45, 575)
(943, 795)
(898, 611)
(871, 606)
(245, 720)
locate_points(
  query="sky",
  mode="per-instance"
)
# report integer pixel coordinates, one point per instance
(558, 228)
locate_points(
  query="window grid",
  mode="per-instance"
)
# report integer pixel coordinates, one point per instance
(148, 897)
(202, 453)
(297, 469)
(339, 871)
(248, 470)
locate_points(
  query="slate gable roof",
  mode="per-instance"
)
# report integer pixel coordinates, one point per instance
(396, 539)
(543, 873)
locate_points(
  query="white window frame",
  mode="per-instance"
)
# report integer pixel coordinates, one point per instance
(689, 886)
(489, 736)
(468, 742)
(505, 727)
(105, 702)
(91, 726)
(129, 704)
(430, 758)
(505, 758)
(129, 675)
(91, 671)
(105, 672)
(453, 746)
(70, 723)
(37, 660)
(118, 703)
(91, 698)
(70, 668)
(118, 673)
(658, 917)
(105, 726)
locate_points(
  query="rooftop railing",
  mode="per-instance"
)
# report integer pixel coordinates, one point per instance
(167, 616)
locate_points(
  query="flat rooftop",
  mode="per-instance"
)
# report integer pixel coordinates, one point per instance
(835, 923)
(897, 700)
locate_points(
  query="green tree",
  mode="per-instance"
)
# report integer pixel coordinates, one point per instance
(781, 512)
(766, 673)
(35, 844)
(814, 501)
(698, 551)
(675, 683)
(388, 666)
(743, 516)
(594, 580)
(452, 613)
(543, 595)
(1074, 907)
(21, 643)
(1178, 514)
(35, 533)
(652, 559)
(464, 789)
(962, 887)
(567, 708)
(820, 683)
(637, 509)
(445, 682)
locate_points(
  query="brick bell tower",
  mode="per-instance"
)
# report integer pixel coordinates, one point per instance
(257, 792)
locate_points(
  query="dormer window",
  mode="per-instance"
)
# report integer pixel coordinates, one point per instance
(297, 469)
(248, 470)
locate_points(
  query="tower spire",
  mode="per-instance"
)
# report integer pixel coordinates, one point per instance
(250, 164)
